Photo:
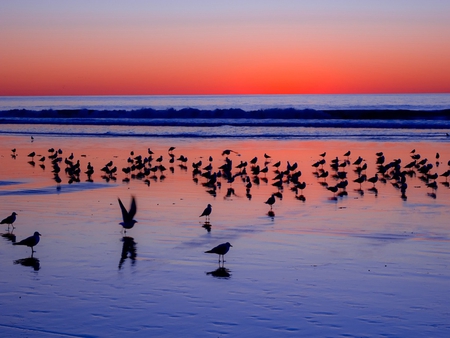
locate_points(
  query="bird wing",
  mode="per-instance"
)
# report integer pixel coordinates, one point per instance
(133, 208)
(125, 214)
(217, 250)
(29, 241)
(205, 212)
(221, 249)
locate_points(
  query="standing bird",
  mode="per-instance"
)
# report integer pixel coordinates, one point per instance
(128, 221)
(271, 201)
(373, 179)
(207, 213)
(9, 220)
(30, 241)
(221, 250)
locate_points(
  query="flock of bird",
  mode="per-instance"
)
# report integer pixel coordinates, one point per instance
(146, 167)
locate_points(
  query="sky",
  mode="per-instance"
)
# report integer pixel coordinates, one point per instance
(173, 47)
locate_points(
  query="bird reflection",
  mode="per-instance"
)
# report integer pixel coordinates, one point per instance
(301, 198)
(220, 272)
(207, 226)
(9, 236)
(30, 261)
(128, 251)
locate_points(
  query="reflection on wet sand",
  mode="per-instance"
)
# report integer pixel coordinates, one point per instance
(220, 272)
(9, 236)
(128, 251)
(207, 226)
(30, 261)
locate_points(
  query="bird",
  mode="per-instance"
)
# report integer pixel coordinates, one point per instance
(373, 179)
(271, 201)
(30, 241)
(323, 175)
(333, 189)
(221, 250)
(9, 220)
(128, 221)
(226, 152)
(207, 212)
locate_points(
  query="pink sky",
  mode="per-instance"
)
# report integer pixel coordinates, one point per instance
(209, 47)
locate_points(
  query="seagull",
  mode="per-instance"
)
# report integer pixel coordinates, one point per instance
(9, 220)
(207, 212)
(128, 221)
(373, 179)
(271, 201)
(221, 250)
(30, 241)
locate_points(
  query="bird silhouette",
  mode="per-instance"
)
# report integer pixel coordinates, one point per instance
(207, 213)
(221, 250)
(127, 216)
(30, 241)
(9, 220)
(271, 201)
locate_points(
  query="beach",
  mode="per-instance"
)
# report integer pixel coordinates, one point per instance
(224, 169)
(359, 264)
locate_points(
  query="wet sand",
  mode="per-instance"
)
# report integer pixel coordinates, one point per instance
(363, 264)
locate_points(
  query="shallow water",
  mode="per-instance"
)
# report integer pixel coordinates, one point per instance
(364, 264)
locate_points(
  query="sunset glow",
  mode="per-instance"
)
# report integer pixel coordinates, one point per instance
(209, 47)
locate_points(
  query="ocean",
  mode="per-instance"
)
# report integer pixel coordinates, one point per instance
(427, 102)
(362, 117)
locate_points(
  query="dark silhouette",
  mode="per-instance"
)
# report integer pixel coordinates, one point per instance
(128, 251)
(220, 272)
(9, 220)
(207, 213)
(221, 250)
(127, 216)
(30, 261)
(30, 241)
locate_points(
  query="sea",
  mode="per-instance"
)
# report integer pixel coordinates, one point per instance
(362, 117)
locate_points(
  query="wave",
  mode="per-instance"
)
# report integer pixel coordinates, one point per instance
(400, 118)
(404, 125)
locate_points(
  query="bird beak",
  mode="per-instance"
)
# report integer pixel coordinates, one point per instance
(230, 245)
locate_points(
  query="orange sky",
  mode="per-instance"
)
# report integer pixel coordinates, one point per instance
(208, 47)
